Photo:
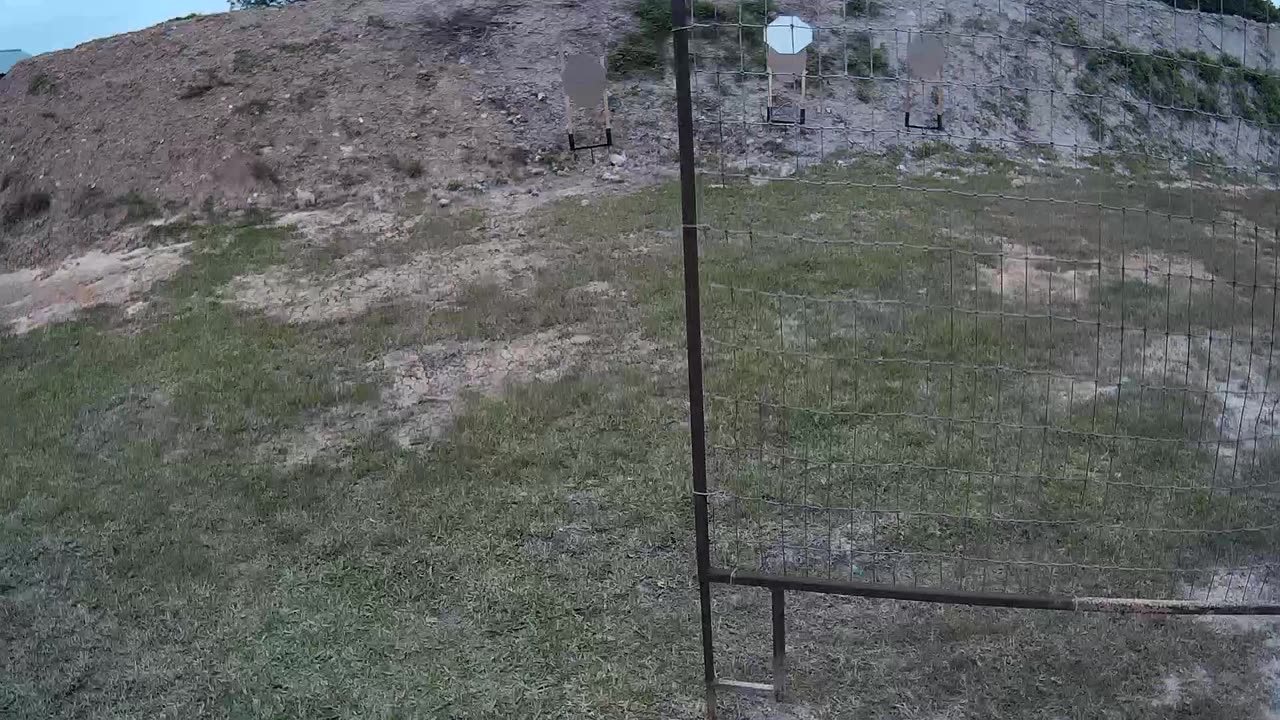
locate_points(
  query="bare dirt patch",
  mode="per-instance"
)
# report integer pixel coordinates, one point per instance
(31, 299)
(429, 385)
(1025, 272)
(425, 388)
(428, 279)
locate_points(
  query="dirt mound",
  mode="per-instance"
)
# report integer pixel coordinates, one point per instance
(321, 102)
(330, 101)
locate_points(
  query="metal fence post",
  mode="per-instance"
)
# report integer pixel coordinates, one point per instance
(680, 19)
(779, 643)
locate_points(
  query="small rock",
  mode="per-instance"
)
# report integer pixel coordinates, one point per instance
(538, 172)
(304, 198)
(611, 177)
(618, 159)
(580, 340)
(445, 202)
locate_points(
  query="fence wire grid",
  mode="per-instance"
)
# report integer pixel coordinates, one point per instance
(1029, 352)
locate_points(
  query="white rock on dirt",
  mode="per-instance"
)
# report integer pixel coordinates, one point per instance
(304, 198)
(33, 298)
(428, 384)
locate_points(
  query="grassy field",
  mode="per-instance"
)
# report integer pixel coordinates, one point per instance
(158, 559)
(904, 373)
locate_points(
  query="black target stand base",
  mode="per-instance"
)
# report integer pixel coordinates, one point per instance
(936, 126)
(774, 117)
(608, 142)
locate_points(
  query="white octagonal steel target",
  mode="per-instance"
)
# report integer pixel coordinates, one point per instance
(788, 35)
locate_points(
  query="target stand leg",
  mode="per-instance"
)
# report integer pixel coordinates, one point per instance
(778, 688)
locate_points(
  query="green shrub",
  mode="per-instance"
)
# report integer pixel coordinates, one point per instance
(636, 55)
(863, 8)
(1260, 10)
(244, 4)
(1069, 32)
(704, 10)
(865, 60)
(27, 206)
(645, 50)
(137, 207)
(1190, 80)
(263, 172)
(409, 167)
(41, 84)
(929, 148)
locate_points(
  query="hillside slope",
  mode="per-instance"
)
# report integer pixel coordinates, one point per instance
(327, 99)
(330, 100)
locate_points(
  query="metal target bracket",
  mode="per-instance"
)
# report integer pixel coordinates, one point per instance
(936, 126)
(608, 142)
(774, 118)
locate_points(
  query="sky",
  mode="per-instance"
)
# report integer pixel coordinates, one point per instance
(40, 26)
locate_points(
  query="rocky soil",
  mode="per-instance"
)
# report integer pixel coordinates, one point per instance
(332, 101)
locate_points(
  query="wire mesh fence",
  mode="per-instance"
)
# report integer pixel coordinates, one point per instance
(1005, 324)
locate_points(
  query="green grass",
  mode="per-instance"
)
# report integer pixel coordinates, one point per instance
(136, 455)
(156, 559)
(795, 323)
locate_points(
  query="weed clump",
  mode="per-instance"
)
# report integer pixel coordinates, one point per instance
(1187, 81)
(27, 206)
(644, 51)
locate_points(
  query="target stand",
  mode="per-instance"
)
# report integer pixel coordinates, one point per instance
(585, 83)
